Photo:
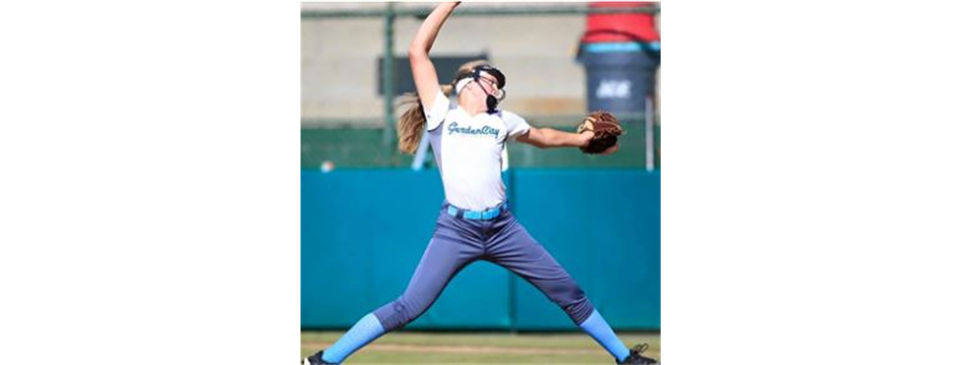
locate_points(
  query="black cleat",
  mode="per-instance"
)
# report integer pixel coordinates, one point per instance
(636, 359)
(316, 360)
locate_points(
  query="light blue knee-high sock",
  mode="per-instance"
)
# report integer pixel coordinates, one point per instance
(598, 328)
(365, 331)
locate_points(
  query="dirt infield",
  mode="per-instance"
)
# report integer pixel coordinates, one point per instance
(489, 349)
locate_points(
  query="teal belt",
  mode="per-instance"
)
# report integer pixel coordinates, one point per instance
(476, 214)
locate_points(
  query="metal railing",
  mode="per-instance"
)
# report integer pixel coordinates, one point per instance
(389, 10)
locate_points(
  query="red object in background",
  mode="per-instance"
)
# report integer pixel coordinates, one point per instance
(625, 27)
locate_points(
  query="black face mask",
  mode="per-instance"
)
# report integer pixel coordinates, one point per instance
(492, 101)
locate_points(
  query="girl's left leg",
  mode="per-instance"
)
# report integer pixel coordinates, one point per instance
(514, 249)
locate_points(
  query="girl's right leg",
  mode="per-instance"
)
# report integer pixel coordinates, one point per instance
(449, 251)
(442, 261)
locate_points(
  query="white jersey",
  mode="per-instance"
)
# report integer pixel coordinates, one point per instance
(468, 151)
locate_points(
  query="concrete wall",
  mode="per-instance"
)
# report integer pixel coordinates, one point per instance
(338, 59)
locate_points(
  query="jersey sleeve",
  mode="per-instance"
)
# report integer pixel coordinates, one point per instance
(516, 125)
(437, 112)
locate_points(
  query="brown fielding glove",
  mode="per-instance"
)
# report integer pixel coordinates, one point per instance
(605, 128)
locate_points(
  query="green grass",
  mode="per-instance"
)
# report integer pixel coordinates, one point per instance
(407, 347)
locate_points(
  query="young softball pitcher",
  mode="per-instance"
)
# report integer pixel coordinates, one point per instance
(475, 222)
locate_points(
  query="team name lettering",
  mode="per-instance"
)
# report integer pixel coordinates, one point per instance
(454, 128)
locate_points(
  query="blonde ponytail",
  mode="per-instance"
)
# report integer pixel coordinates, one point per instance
(412, 121)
